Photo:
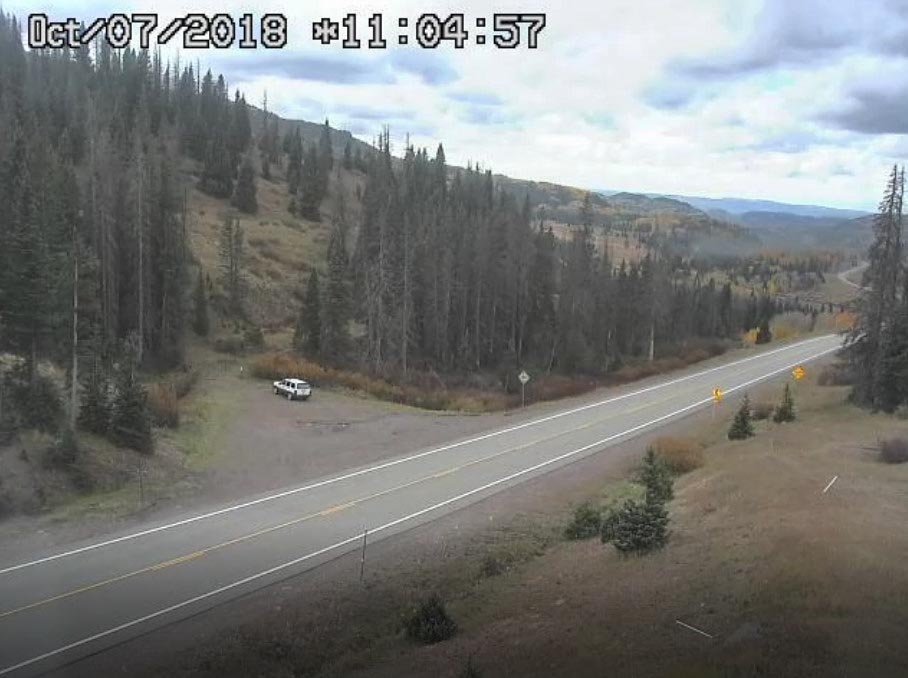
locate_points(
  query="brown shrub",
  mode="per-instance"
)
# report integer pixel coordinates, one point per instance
(162, 404)
(894, 451)
(184, 383)
(555, 386)
(761, 411)
(681, 455)
(232, 344)
(695, 356)
(836, 375)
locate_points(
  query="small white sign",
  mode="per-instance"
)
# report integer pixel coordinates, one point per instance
(523, 376)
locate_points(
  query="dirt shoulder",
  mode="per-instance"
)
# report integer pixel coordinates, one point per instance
(788, 580)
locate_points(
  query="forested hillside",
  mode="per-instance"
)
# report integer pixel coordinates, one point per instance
(145, 201)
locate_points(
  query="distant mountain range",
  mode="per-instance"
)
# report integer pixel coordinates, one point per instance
(780, 224)
(737, 206)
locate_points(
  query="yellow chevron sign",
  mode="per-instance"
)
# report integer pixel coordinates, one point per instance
(717, 394)
(798, 373)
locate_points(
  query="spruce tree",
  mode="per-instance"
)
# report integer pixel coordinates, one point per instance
(130, 424)
(764, 334)
(325, 154)
(638, 526)
(310, 192)
(217, 172)
(335, 317)
(307, 338)
(786, 410)
(874, 341)
(244, 194)
(656, 477)
(231, 250)
(95, 406)
(741, 426)
(200, 323)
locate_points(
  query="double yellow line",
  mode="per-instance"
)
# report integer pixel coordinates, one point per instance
(328, 511)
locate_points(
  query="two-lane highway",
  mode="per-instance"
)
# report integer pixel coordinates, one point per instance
(61, 606)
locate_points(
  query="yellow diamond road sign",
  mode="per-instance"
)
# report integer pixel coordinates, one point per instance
(717, 394)
(798, 373)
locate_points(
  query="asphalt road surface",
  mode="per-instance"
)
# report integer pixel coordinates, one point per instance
(58, 607)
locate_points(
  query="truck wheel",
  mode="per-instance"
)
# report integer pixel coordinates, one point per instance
(289, 396)
(305, 398)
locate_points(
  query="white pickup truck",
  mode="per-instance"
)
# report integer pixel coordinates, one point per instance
(293, 389)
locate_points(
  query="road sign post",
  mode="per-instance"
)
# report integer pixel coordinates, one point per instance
(717, 398)
(362, 559)
(524, 378)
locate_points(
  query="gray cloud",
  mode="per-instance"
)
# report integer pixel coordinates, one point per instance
(476, 98)
(792, 142)
(485, 115)
(805, 32)
(369, 113)
(433, 68)
(347, 70)
(873, 111)
(670, 95)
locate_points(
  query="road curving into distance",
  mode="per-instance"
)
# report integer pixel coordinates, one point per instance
(58, 607)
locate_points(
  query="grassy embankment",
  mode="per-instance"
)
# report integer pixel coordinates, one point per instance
(786, 579)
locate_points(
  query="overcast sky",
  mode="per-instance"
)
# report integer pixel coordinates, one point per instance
(794, 100)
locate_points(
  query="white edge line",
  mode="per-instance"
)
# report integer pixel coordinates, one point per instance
(393, 523)
(693, 628)
(394, 462)
(831, 482)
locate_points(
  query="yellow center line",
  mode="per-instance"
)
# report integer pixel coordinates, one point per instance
(334, 509)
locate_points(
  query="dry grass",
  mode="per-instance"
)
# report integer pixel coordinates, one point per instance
(894, 450)
(163, 398)
(428, 391)
(835, 375)
(761, 411)
(163, 405)
(682, 455)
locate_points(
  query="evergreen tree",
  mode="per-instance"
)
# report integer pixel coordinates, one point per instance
(874, 340)
(293, 144)
(308, 334)
(348, 157)
(232, 253)
(656, 477)
(95, 406)
(310, 192)
(200, 324)
(325, 155)
(217, 173)
(335, 343)
(638, 526)
(240, 129)
(130, 424)
(244, 194)
(764, 334)
(741, 425)
(786, 410)
(266, 167)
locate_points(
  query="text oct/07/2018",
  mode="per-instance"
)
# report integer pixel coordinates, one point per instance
(198, 31)
(270, 31)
